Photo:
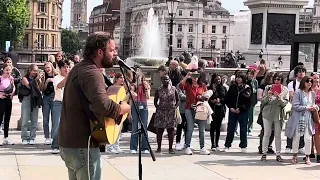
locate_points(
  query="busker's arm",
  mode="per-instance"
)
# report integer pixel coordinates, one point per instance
(93, 85)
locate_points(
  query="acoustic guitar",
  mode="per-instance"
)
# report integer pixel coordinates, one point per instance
(111, 131)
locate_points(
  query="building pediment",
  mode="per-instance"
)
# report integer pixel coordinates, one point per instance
(213, 37)
(179, 36)
(138, 17)
(191, 37)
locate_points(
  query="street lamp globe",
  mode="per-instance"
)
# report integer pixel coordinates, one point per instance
(172, 6)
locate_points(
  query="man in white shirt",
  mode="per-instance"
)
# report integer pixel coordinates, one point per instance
(299, 73)
(58, 84)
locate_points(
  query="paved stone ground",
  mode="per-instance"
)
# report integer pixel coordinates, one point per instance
(19, 162)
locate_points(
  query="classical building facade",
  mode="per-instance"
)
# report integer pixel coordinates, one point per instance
(105, 17)
(42, 35)
(316, 17)
(78, 15)
(205, 29)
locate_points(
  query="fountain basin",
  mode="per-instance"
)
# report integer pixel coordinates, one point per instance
(146, 61)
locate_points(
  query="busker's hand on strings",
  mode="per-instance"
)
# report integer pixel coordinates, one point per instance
(124, 108)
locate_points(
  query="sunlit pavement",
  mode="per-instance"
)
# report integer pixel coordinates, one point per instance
(37, 162)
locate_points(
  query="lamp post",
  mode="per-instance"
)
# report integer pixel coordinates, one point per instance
(172, 9)
(225, 45)
(212, 47)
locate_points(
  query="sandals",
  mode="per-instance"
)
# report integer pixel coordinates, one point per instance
(279, 159)
(294, 159)
(307, 162)
(264, 158)
(171, 151)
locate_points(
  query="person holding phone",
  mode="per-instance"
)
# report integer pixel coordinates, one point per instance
(275, 98)
(194, 89)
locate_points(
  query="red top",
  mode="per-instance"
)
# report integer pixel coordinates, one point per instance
(192, 92)
(141, 94)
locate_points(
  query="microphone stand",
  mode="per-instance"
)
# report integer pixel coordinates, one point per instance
(141, 130)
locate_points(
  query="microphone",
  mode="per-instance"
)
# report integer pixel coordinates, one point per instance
(124, 65)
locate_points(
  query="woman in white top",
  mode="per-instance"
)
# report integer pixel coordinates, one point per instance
(58, 84)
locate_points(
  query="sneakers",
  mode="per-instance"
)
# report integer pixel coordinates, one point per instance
(244, 150)
(25, 142)
(7, 141)
(47, 141)
(133, 151)
(55, 151)
(204, 151)
(288, 151)
(146, 152)
(225, 149)
(111, 150)
(119, 150)
(301, 151)
(179, 147)
(32, 142)
(188, 151)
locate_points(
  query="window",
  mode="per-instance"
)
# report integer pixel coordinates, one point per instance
(180, 12)
(224, 29)
(53, 41)
(191, 13)
(53, 9)
(179, 27)
(41, 41)
(213, 44)
(213, 29)
(42, 7)
(202, 44)
(190, 27)
(224, 43)
(42, 23)
(168, 42)
(179, 43)
(53, 25)
(25, 42)
(190, 43)
(203, 28)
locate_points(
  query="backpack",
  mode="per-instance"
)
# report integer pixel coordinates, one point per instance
(294, 85)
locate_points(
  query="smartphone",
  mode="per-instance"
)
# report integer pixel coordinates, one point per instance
(276, 88)
(195, 75)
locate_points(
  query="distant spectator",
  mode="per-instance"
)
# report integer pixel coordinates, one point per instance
(76, 59)
(162, 70)
(175, 73)
(14, 56)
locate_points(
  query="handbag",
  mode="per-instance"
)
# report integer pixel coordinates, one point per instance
(151, 126)
(178, 116)
(201, 112)
(24, 91)
(315, 117)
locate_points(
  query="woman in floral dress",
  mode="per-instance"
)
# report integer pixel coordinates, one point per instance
(166, 100)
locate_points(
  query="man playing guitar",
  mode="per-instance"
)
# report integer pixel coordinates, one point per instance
(74, 130)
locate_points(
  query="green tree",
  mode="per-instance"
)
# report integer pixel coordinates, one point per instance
(14, 17)
(70, 42)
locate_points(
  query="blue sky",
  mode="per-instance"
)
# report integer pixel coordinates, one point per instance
(231, 5)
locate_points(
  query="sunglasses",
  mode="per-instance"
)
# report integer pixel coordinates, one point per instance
(277, 79)
(309, 81)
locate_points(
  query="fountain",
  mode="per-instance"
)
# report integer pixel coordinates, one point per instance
(152, 51)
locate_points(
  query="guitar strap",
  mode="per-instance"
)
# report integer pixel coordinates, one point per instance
(85, 103)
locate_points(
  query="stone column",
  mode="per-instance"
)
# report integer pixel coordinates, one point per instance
(273, 24)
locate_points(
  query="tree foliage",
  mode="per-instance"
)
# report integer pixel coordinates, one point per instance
(70, 42)
(14, 17)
